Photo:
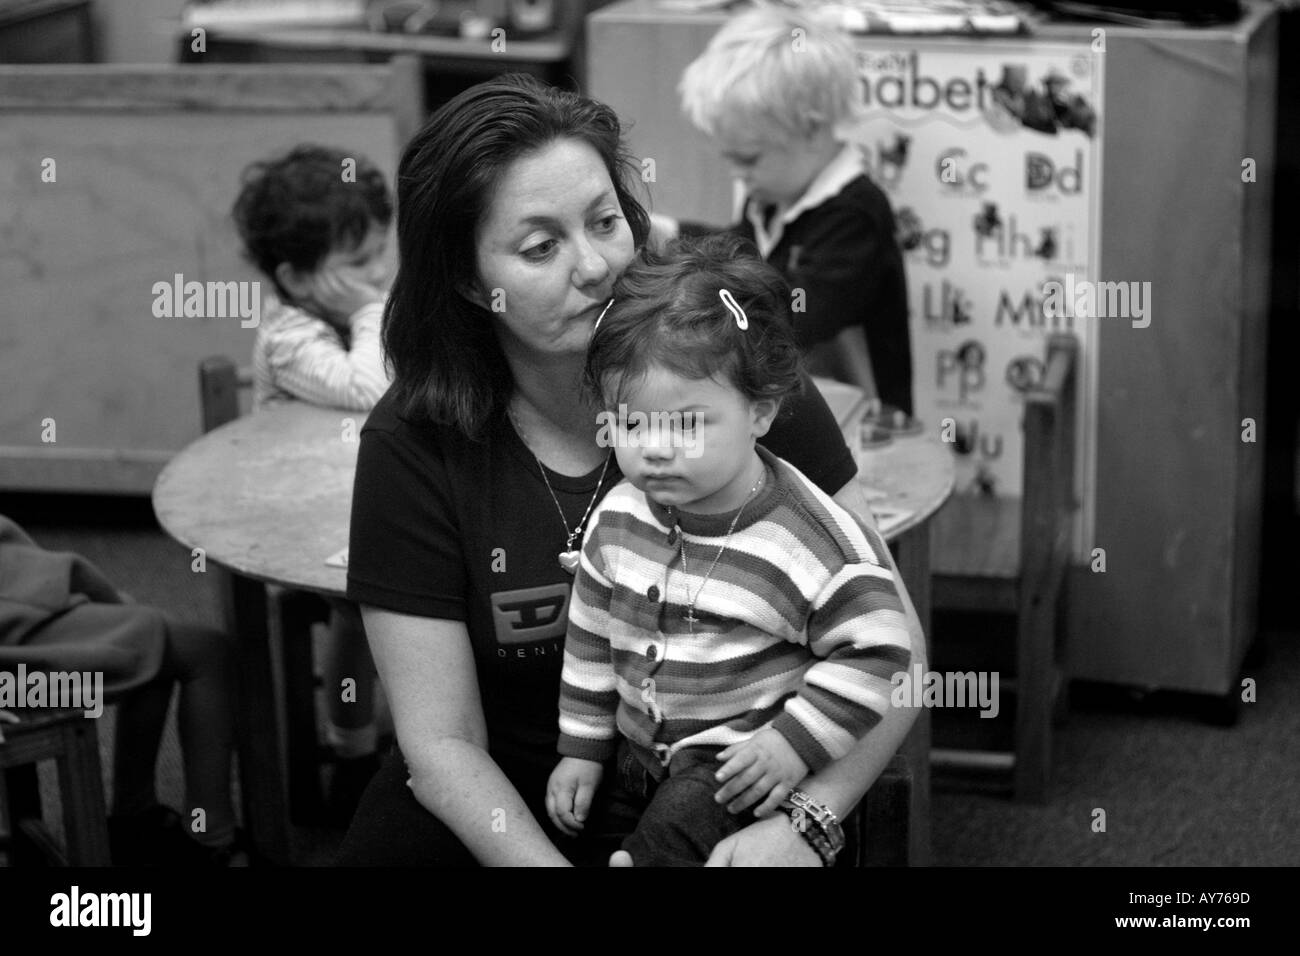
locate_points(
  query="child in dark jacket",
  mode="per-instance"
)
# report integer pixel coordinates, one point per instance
(771, 89)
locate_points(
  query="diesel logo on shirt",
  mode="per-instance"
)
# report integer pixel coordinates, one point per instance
(531, 622)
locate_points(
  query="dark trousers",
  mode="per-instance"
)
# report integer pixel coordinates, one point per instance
(680, 822)
(670, 823)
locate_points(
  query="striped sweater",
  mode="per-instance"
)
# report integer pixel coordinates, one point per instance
(800, 626)
(297, 355)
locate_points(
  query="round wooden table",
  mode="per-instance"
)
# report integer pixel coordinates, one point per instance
(267, 497)
(914, 472)
(916, 475)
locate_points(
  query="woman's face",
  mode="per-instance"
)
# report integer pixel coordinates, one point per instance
(548, 251)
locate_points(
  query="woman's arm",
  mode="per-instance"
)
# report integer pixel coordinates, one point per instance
(427, 667)
(849, 778)
(773, 842)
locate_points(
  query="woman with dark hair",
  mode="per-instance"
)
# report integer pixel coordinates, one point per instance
(477, 473)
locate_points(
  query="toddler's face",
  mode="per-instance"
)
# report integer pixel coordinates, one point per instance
(688, 443)
(772, 169)
(347, 278)
(368, 261)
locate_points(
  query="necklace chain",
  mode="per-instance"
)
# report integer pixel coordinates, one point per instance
(577, 529)
(681, 543)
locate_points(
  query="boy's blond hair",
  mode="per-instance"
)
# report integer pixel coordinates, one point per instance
(777, 68)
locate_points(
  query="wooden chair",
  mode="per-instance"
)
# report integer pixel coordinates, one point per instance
(220, 386)
(72, 741)
(1010, 556)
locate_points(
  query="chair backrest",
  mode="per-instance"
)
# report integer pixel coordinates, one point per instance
(220, 383)
(116, 184)
(1049, 498)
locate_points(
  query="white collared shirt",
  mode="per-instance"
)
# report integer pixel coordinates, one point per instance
(827, 184)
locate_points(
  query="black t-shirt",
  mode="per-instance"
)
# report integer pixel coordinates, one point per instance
(444, 527)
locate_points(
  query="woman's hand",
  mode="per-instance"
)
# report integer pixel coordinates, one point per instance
(569, 793)
(764, 767)
(769, 842)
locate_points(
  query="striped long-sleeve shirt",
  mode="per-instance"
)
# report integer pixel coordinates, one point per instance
(297, 355)
(800, 626)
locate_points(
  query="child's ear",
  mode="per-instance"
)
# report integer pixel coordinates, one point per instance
(297, 284)
(762, 413)
(821, 135)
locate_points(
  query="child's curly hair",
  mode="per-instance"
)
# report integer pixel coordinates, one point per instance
(668, 311)
(297, 208)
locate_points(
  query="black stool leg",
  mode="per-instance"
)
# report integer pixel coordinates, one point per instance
(298, 612)
(85, 818)
(23, 794)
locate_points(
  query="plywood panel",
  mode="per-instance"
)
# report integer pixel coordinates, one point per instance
(134, 204)
(138, 197)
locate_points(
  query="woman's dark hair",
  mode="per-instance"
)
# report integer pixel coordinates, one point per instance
(297, 208)
(448, 366)
(669, 311)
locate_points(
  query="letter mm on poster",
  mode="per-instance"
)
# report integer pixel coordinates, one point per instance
(990, 154)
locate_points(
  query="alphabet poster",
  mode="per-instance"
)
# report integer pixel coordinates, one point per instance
(990, 154)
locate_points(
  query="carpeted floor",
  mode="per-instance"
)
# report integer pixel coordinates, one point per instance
(1176, 790)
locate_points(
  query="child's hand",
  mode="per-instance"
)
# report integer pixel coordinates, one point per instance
(340, 293)
(569, 793)
(764, 767)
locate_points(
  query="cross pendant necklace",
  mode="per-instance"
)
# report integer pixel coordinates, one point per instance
(689, 614)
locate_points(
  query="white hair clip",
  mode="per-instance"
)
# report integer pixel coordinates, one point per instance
(742, 320)
(601, 316)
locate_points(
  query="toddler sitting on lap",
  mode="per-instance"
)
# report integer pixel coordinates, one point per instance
(732, 629)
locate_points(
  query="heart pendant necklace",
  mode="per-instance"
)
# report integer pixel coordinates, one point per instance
(570, 556)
